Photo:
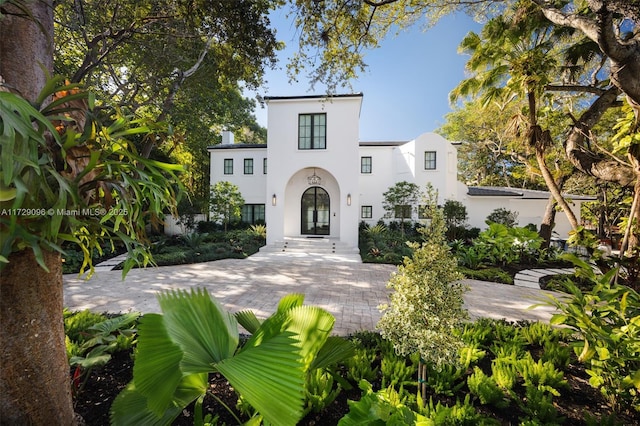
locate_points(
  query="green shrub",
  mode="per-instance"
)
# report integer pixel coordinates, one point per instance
(495, 275)
(395, 372)
(77, 324)
(486, 389)
(607, 320)
(503, 216)
(360, 366)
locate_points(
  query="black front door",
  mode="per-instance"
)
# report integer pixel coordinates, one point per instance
(315, 212)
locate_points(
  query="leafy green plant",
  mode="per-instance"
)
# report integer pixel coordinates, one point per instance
(258, 230)
(426, 305)
(387, 406)
(360, 366)
(503, 216)
(607, 320)
(177, 350)
(376, 230)
(194, 240)
(537, 333)
(320, 391)
(76, 324)
(396, 372)
(486, 389)
(99, 341)
(461, 413)
(557, 353)
(505, 373)
(496, 275)
(542, 375)
(445, 380)
(81, 187)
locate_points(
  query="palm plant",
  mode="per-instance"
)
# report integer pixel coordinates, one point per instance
(515, 58)
(177, 350)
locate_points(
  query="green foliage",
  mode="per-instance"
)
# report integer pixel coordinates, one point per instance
(210, 52)
(176, 350)
(486, 389)
(76, 324)
(225, 203)
(84, 185)
(387, 406)
(607, 320)
(361, 366)
(503, 216)
(399, 196)
(320, 391)
(193, 240)
(446, 379)
(461, 413)
(426, 304)
(495, 275)
(396, 372)
(259, 230)
(92, 338)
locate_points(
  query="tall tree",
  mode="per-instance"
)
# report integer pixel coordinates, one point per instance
(178, 61)
(513, 57)
(64, 177)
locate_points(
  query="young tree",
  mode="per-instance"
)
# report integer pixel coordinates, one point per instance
(66, 179)
(426, 303)
(455, 217)
(399, 201)
(225, 203)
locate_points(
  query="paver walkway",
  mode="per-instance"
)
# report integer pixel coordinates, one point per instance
(351, 291)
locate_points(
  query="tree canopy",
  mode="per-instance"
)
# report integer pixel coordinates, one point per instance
(185, 63)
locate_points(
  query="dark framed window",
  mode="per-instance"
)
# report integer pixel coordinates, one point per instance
(264, 166)
(423, 212)
(365, 164)
(253, 213)
(403, 212)
(248, 166)
(366, 212)
(228, 166)
(429, 160)
(312, 131)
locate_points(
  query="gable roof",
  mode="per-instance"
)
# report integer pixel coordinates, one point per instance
(525, 194)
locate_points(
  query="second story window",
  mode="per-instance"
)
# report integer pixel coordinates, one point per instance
(228, 166)
(312, 131)
(248, 166)
(365, 164)
(429, 160)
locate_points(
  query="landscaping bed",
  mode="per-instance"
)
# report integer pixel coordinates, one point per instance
(577, 403)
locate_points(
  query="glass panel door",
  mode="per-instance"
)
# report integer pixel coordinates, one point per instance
(315, 213)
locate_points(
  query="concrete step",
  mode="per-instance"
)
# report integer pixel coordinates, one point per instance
(309, 245)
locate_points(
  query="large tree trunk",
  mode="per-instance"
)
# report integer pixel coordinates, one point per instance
(34, 378)
(26, 47)
(34, 372)
(548, 222)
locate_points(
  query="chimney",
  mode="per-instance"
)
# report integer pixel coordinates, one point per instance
(227, 137)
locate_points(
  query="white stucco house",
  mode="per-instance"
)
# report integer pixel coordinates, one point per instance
(316, 178)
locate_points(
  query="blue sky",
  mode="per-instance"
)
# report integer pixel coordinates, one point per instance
(406, 85)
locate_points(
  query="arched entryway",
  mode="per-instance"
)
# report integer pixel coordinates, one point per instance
(316, 212)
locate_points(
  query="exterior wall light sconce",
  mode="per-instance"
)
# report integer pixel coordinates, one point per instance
(273, 200)
(348, 199)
